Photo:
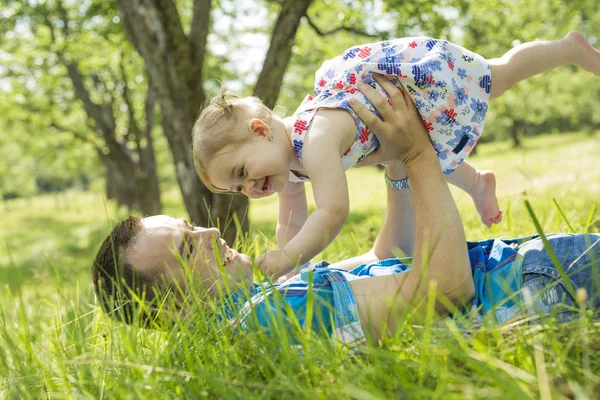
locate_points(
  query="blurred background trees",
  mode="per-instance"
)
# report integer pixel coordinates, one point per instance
(103, 94)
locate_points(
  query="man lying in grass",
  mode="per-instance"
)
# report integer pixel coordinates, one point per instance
(149, 261)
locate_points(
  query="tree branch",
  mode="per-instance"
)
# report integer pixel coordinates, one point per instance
(149, 110)
(278, 56)
(101, 114)
(197, 39)
(76, 134)
(341, 28)
(132, 122)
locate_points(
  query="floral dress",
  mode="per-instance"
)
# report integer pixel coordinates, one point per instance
(449, 85)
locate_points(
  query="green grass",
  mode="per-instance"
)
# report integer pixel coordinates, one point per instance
(55, 343)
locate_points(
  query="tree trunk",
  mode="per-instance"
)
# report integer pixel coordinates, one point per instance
(154, 28)
(148, 191)
(515, 133)
(173, 63)
(118, 181)
(279, 54)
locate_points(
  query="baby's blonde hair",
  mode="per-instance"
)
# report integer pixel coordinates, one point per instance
(221, 123)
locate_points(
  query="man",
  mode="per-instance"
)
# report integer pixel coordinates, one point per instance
(148, 258)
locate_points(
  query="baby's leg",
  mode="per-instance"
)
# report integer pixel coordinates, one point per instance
(481, 186)
(529, 59)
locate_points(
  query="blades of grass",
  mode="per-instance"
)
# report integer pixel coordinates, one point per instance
(562, 215)
(589, 218)
(538, 354)
(549, 249)
(509, 219)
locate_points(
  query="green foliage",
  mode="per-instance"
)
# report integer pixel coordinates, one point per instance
(560, 100)
(54, 341)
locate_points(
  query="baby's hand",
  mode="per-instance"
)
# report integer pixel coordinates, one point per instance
(274, 263)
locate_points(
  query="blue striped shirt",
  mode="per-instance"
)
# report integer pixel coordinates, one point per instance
(321, 298)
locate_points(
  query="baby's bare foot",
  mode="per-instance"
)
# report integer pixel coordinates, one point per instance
(585, 56)
(484, 196)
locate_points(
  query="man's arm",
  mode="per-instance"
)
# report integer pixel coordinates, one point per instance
(440, 253)
(396, 236)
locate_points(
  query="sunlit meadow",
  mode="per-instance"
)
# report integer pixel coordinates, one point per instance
(56, 343)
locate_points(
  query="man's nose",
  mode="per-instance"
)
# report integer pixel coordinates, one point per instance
(206, 233)
(214, 231)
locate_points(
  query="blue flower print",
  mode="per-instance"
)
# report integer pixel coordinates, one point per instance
(486, 83)
(434, 65)
(387, 48)
(368, 79)
(358, 69)
(339, 95)
(446, 119)
(467, 58)
(461, 95)
(433, 95)
(441, 153)
(350, 53)
(330, 73)
(462, 73)
(431, 44)
(298, 148)
(389, 65)
(448, 57)
(458, 134)
(479, 108)
(419, 104)
(421, 77)
(325, 94)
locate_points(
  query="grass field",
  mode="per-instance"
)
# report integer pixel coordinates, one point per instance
(55, 343)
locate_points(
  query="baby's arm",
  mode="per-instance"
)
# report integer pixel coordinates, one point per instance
(293, 212)
(321, 157)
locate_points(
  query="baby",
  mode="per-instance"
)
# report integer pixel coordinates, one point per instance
(240, 146)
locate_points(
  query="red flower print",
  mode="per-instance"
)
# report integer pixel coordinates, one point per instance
(322, 82)
(352, 90)
(450, 65)
(413, 44)
(450, 113)
(348, 151)
(300, 126)
(390, 102)
(364, 52)
(310, 97)
(339, 84)
(364, 134)
(430, 79)
(352, 79)
(428, 125)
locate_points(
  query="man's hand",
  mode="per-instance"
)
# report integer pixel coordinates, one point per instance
(274, 264)
(401, 134)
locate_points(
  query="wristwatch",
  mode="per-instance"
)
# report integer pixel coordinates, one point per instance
(397, 185)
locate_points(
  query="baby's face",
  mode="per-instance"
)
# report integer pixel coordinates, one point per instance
(258, 168)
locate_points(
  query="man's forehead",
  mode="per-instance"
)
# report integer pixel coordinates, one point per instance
(161, 221)
(160, 233)
(155, 242)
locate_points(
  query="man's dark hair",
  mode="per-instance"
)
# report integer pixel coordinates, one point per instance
(116, 282)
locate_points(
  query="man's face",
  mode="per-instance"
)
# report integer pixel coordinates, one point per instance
(164, 241)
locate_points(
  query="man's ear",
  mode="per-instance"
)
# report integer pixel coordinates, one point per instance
(260, 128)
